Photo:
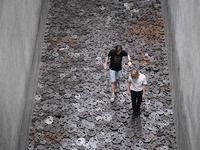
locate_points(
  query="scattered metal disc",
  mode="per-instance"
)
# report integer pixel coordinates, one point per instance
(49, 120)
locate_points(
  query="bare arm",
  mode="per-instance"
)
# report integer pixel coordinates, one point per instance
(106, 61)
(143, 87)
(129, 60)
(128, 89)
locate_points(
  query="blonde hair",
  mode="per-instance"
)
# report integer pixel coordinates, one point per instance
(134, 74)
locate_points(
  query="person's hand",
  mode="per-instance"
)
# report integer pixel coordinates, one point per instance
(129, 63)
(128, 92)
(142, 96)
(105, 67)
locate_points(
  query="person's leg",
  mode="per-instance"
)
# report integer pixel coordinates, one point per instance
(139, 101)
(113, 88)
(118, 74)
(133, 99)
(116, 82)
(112, 99)
(112, 81)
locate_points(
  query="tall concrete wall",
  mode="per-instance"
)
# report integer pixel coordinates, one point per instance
(22, 25)
(182, 34)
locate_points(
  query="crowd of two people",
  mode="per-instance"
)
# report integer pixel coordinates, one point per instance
(136, 80)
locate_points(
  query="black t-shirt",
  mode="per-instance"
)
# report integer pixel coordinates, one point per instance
(116, 60)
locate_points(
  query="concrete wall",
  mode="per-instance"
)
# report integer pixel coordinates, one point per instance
(22, 25)
(182, 34)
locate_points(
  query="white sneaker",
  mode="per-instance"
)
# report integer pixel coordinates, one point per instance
(112, 98)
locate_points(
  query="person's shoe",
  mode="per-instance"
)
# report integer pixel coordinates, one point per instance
(112, 99)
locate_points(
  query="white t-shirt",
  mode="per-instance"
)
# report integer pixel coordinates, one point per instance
(136, 84)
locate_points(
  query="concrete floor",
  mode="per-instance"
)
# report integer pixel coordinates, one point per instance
(72, 105)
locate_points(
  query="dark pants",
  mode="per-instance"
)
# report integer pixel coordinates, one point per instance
(136, 98)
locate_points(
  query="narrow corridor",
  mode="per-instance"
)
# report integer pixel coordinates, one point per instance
(72, 108)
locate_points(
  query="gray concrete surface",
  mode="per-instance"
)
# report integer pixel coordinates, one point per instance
(22, 24)
(182, 21)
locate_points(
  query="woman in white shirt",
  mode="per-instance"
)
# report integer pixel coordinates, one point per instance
(136, 86)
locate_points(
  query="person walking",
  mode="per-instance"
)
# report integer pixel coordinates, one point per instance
(116, 67)
(136, 87)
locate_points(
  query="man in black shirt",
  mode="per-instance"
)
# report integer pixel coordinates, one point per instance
(116, 66)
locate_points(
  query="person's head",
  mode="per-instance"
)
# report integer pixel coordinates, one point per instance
(118, 49)
(134, 74)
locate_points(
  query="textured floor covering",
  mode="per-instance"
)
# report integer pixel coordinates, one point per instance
(72, 109)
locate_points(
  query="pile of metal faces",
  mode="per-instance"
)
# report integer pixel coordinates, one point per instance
(72, 105)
